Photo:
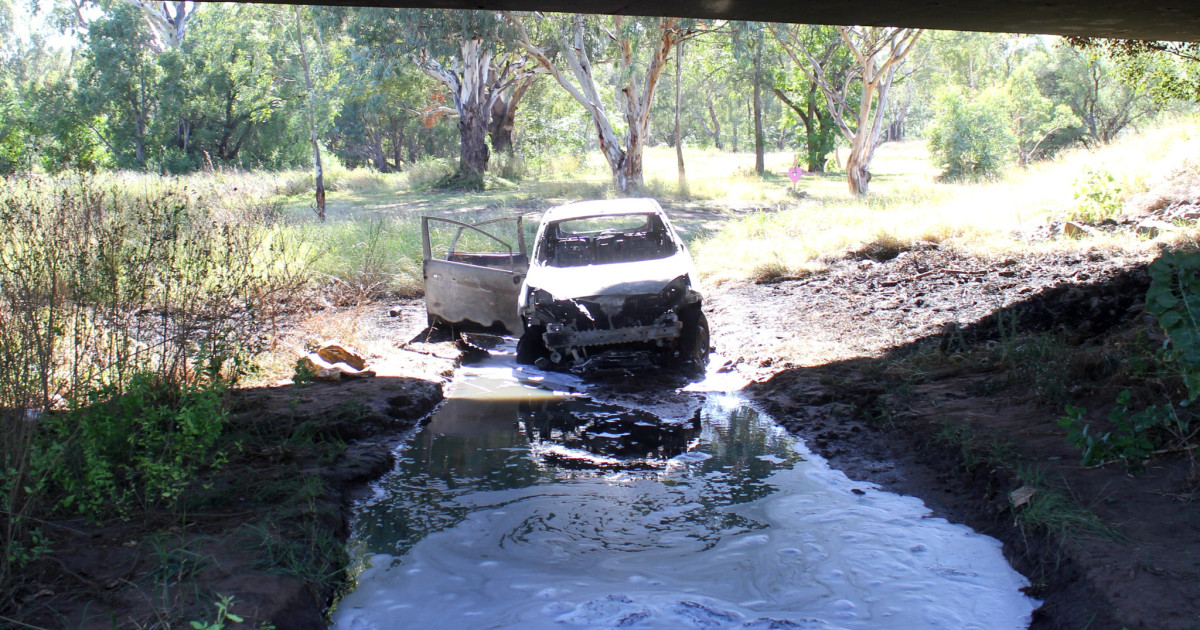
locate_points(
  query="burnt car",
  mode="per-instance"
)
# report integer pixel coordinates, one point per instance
(610, 284)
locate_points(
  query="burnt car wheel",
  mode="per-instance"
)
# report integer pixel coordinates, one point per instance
(694, 341)
(531, 346)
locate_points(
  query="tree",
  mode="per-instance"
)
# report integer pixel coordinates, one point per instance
(636, 43)
(381, 117)
(803, 96)
(1034, 118)
(877, 52)
(465, 51)
(121, 79)
(970, 136)
(169, 27)
(504, 113)
(749, 40)
(1167, 70)
(1083, 81)
(310, 115)
(678, 110)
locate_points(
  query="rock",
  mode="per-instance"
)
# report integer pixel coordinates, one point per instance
(332, 362)
(396, 311)
(335, 353)
(1151, 228)
(1076, 230)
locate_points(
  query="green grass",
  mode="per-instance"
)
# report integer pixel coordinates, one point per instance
(1051, 509)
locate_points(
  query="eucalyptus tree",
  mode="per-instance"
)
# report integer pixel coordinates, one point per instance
(120, 78)
(803, 97)
(877, 52)
(1083, 80)
(465, 51)
(640, 49)
(748, 41)
(167, 20)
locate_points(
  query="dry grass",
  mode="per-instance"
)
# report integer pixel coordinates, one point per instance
(907, 207)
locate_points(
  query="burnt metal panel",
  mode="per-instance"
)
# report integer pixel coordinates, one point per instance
(470, 290)
(472, 298)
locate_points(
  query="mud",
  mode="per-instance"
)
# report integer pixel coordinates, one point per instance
(827, 356)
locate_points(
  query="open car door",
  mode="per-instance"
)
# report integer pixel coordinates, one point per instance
(472, 282)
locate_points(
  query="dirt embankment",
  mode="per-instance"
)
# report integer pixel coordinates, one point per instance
(268, 528)
(945, 377)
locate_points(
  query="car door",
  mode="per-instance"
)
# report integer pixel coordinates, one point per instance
(473, 273)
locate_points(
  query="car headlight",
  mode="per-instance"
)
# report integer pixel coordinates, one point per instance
(541, 297)
(676, 289)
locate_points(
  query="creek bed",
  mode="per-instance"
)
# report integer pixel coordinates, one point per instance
(520, 507)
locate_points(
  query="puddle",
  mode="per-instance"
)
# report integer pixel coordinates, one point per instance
(514, 509)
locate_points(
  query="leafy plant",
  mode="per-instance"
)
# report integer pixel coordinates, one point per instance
(1134, 437)
(1174, 298)
(1098, 196)
(223, 604)
(1136, 434)
(145, 444)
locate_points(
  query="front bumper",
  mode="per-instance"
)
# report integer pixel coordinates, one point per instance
(559, 337)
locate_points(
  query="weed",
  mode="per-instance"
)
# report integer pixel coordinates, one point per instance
(306, 552)
(976, 449)
(1136, 435)
(1053, 510)
(143, 445)
(1098, 196)
(305, 373)
(223, 605)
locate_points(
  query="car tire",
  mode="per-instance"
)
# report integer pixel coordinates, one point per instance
(694, 342)
(531, 346)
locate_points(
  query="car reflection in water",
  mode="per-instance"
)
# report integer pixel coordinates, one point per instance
(579, 433)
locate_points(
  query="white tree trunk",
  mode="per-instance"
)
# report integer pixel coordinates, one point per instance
(578, 79)
(878, 52)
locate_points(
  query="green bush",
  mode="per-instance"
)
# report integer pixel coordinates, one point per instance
(1098, 196)
(1136, 431)
(970, 135)
(125, 309)
(139, 445)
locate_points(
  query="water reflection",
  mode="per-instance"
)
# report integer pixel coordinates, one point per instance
(569, 513)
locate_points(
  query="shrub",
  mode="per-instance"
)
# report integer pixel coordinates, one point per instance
(428, 173)
(1138, 431)
(970, 136)
(140, 444)
(1098, 196)
(124, 309)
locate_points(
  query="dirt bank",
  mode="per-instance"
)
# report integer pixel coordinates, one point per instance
(268, 528)
(944, 377)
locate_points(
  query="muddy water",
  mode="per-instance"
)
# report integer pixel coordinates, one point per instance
(517, 508)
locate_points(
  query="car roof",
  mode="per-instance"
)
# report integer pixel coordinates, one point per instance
(602, 207)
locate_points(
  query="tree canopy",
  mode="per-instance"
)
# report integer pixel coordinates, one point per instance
(175, 87)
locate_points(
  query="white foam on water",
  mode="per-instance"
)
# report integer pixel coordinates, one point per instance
(766, 538)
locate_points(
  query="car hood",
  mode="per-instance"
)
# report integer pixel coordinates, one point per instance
(631, 278)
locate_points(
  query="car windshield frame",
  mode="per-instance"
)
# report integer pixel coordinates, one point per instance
(606, 239)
